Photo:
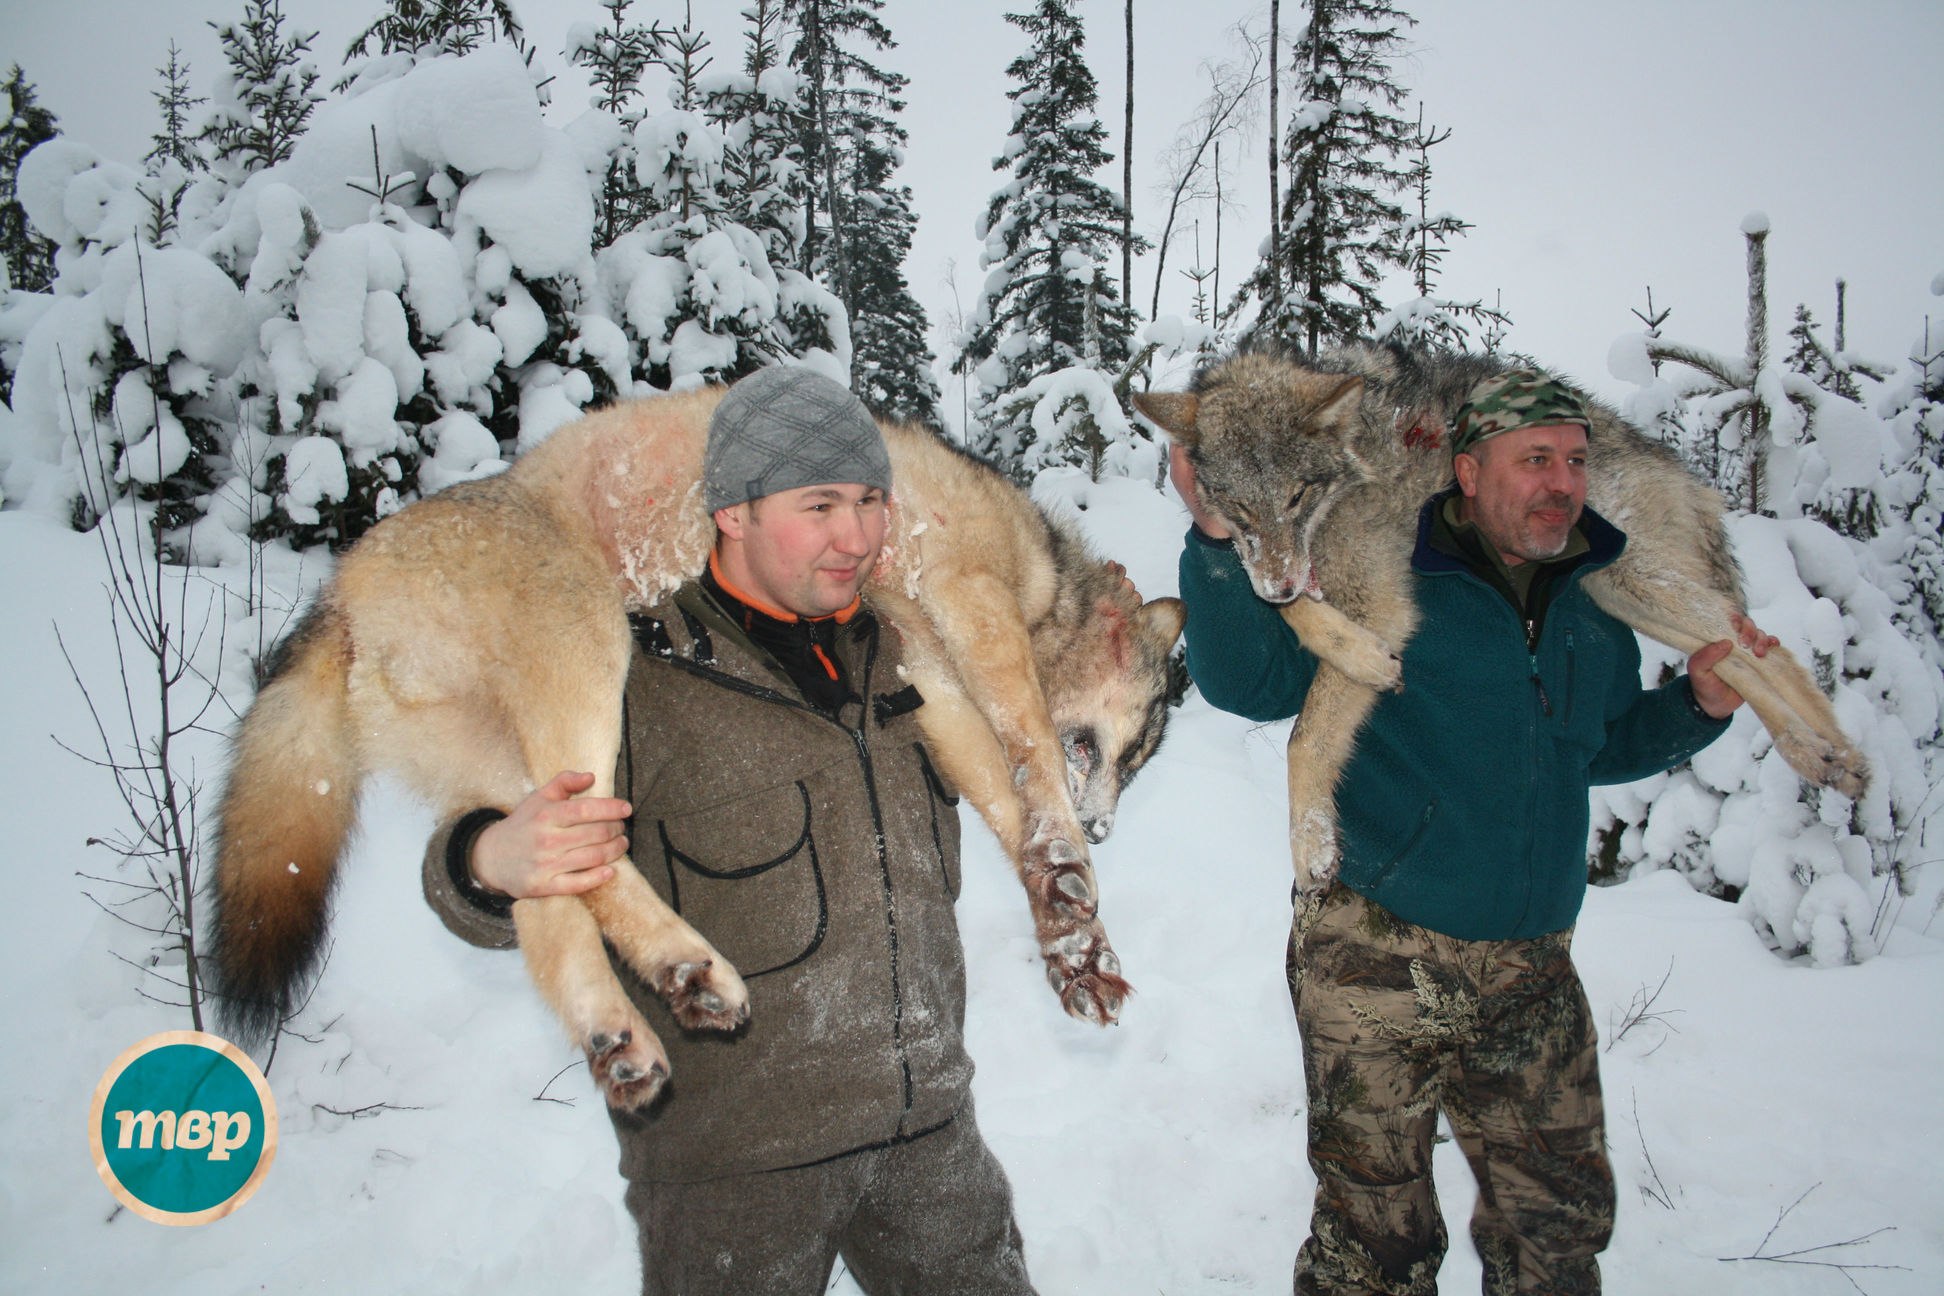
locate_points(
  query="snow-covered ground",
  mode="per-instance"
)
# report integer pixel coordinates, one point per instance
(437, 1137)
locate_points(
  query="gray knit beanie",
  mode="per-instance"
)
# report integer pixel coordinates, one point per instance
(784, 427)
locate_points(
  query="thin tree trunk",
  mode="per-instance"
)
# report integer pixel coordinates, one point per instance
(1127, 171)
(1275, 143)
(819, 73)
(1755, 447)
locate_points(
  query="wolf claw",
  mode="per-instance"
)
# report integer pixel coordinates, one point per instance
(700, 1000)
(1084, 971)
(1313, 843)
(629, 1075)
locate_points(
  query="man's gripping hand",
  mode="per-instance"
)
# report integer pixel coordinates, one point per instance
(1712, 693)
(552, 844)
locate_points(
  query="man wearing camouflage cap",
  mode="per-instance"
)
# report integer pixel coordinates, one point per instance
(779, 796)
(1437, 972)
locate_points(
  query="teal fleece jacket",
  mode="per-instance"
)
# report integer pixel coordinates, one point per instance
(1464, 807)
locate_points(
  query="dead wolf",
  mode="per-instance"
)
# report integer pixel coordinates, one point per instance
(476, 643)
(1320, 468)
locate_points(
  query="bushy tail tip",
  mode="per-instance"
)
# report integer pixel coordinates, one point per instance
(285, 816)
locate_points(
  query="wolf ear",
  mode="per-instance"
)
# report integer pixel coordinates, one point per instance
(1172, 412)
(1340, 406)
(1162, 619)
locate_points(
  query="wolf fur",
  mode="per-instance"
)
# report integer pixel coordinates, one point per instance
(1320, 468)
(476, 643)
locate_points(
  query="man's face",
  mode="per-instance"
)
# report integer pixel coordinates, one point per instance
(808, 550)
(1525, 489)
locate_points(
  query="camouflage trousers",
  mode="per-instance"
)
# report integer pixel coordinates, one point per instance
(1398, 1022)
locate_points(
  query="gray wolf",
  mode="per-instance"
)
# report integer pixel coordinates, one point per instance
(1320, 468)
(476, 642)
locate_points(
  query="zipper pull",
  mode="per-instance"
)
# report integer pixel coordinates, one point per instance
(1532, 652)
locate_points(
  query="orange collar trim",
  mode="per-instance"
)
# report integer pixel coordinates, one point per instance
(841, 616)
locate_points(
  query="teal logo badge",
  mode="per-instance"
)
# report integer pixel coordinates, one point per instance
(183, 1127)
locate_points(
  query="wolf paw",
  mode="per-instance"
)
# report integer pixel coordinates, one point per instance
(704, 995)
(1313, 848)
(1059, 878)
(630, 1070)
(1085, 972)
(1839, 767)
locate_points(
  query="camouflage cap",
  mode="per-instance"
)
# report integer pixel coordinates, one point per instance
(1520, 398)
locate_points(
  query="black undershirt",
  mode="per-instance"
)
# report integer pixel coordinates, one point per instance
(805, 648)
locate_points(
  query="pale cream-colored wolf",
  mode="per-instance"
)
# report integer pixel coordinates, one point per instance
(1320, 468)
(476, 644)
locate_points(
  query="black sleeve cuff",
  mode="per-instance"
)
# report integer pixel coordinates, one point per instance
(459, 862)
(1694, 705)
(1202, 537)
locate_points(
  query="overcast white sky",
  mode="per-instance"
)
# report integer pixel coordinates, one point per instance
(1598, 148)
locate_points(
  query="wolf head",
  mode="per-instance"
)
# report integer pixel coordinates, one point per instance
(1104, 673)
(1271, 444)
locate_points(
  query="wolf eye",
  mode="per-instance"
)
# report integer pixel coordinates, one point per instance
(1297, 498)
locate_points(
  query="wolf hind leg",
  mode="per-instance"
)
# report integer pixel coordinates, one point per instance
(1080, 963)
(702, 989)
(582, 730)
(1686, 616)
(565, 958)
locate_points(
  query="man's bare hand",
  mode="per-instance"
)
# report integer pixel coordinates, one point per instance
(1711, 693)
(1182, 473)
(553, 844)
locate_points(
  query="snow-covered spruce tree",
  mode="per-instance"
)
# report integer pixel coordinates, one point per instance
(120, 378)
(1345, 152)
(427, 28)
(1849, 506)
(265, 101)
(1423, 237)
(861, 221)
(761, 113)
(1913, 405)
(616, 55)
(1771, 439)
(173, 161)
(1817, 874)
(175, 142)
(695, 288)
(1049, 324)
(444, 313)
(29, 257)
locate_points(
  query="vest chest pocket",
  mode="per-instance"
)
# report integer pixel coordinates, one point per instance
(745, 874)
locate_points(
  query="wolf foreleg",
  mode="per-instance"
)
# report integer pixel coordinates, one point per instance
(1319, 748)
(981, 633)
(1080, 963)
(1330, 636)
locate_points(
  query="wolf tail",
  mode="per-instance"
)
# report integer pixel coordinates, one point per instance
(283, 822)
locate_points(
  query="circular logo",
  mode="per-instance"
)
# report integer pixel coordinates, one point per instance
(183, 1127)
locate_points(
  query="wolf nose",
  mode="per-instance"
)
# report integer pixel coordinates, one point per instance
(1098, 830)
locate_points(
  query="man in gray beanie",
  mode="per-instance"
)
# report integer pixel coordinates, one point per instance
(779, 796)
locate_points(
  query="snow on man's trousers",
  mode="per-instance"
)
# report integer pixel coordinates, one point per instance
(929, 1217)
(1398, 1021)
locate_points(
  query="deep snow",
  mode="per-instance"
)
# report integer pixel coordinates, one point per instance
(1164, 1155)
